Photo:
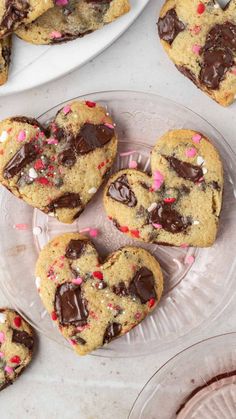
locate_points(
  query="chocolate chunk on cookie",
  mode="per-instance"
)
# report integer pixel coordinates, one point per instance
(15, 12)
(180, 203)
(59, 168)
(69, 21)
(16, 346)
(5, 58)
(92, 302)
(200, 38)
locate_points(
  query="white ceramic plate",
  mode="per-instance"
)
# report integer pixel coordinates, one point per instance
(194, 295)
(33, 65)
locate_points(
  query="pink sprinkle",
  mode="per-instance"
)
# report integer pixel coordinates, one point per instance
(234, 70)
(128, 153)
(8, 369)
(55, 35)
(157, 225)
(133, 164)
(66, 109)
(197, 138)
(1, 354)
(189, 260)
(191, 152)
(77, 281)
(52, 141)
(184, 245)
(72, 342)
(61, 2)
(21, 226)
(93, 232)
(21, 136)
(109, 125)
(158, 180)
(196, 49)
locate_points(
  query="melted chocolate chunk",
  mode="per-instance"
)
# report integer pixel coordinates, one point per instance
(120, 289)
(112, 330)
(19, 336)
(187, 73)
(170, 26)
(91, 137)
(218, 54)
(75, 249)
(25, 155)
(80, 340)
(70, 306)
(68, 200)
(88, 139)
(170, 219)
(185, 170)
(143, 285)
(145, 185)
(16, 10)
(120, 191)
(6, 53)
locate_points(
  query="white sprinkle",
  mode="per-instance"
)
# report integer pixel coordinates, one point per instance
(33, 173)
(204, 170)
(200, 160)
(92, 190)
(51, 213)
(152, 207)
(37, 282)
(2, 318)
(3, 136)
(37, 231)
(216, 6)
(196, 222)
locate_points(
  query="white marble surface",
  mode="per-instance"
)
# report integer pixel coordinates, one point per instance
(58, 384)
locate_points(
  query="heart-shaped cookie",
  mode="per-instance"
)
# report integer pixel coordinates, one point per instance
(200, 38)
(60, 168)
(94, 302)
(180, 204)
(72, 19)
(16, 346)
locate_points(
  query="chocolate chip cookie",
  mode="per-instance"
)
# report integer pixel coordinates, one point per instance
(16, 346)
(200, 38)
(93, 302)
(58, 169)
(5, 58)
(15, 12)
(72, 19)
(180, 203)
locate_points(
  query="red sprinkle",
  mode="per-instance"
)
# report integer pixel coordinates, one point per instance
(38, 164)
(15, 359)
(135, 233)
(53, 315)
(43, 181)
(98, 274)
(17, 321)
(201, 8)
(169, 200)
(124, 229)
(90, 104)
(151, 302)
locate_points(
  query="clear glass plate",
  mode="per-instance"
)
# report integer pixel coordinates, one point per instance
(194, 295)
(199, 383)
